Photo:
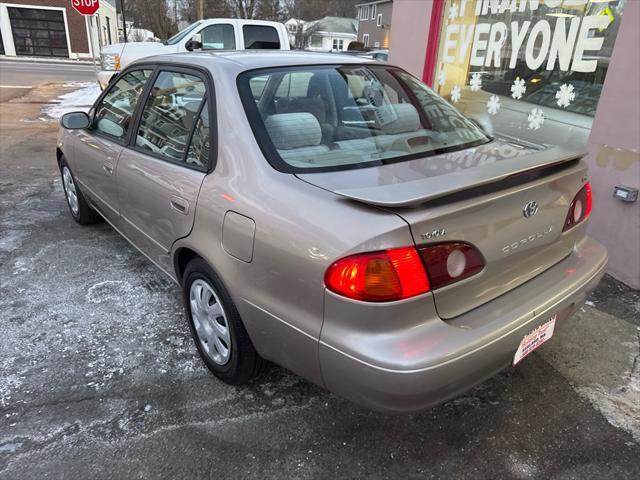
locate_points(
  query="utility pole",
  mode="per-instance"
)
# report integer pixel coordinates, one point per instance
(124, 21)
(200, 9)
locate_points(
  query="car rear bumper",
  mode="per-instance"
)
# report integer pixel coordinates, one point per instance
(427, 361)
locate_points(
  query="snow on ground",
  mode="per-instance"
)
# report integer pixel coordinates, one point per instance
(80, 99)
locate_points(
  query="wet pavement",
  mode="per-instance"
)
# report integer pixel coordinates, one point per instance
(99, 377)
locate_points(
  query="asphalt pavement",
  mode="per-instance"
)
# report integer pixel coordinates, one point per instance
(18, 77)
(99, 377)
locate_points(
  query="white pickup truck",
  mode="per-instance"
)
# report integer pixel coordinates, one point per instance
(211, 34)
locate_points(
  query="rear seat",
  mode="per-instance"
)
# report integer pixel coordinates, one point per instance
(296, 136)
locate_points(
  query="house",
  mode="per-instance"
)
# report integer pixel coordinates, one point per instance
(332, 33)
(374, 23)
(326, 34)
(52, 28)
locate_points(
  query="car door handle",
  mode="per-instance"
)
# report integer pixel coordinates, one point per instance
(108, 168)
(179, 204)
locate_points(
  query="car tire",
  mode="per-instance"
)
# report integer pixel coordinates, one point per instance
(211, 312)
(80, 209)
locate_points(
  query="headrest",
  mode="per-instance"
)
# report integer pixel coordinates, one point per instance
(293, 130)
(398, 118)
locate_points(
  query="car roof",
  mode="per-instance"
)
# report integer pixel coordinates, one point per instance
(241, 60)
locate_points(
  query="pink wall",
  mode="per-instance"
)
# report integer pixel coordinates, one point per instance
(614, 153)
(409, 32)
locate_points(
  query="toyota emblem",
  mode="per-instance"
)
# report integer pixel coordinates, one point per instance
(530, 209)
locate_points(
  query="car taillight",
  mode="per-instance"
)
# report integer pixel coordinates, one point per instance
(382, 276)
(400, 273)
(450, 262)
(580, 207)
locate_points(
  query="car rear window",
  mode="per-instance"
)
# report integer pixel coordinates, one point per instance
(318, 118)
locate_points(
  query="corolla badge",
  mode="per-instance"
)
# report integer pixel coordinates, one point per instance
(530, 209)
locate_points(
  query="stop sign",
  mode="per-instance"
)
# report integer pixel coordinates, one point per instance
(86, 7)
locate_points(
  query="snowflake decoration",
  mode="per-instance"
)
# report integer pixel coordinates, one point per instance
(456, 93)
(536, 119)
(442, 77)
(493, 105)
(565, 95)
(453, 11)
(518, 88)
(476, 82)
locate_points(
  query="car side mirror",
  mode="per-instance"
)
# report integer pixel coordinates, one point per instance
(75, 121)
(194, 43)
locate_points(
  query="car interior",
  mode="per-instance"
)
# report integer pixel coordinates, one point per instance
(348, 115)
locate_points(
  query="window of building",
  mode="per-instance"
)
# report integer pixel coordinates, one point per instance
(373, 12)
(169, 115)
(365, 39)
(260, 37)
(338, 43)
(364, 12)
(379, 21)
(218, 37)
(533, 70)
(114, 113)
(315, 41)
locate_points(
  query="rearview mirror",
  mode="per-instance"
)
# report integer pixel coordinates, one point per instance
(194, 43)
(75, 120)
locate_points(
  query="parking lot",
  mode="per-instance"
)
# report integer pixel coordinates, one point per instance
(99, 377)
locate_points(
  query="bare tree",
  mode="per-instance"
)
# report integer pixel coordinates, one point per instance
(244, 8)
(315, 9)
(270, 10)
(151, 15)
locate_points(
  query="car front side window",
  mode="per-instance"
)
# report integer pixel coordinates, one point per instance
(169, 115)
(114, 113)
(220, 36)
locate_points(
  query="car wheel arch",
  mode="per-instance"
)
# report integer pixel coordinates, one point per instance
(59, 155)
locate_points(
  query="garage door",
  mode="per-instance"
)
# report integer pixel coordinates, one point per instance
(38, 32)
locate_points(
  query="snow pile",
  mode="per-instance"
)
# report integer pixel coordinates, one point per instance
(81, 99)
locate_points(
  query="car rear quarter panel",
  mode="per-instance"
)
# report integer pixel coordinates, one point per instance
(299, 231)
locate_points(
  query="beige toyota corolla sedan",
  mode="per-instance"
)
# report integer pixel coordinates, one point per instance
(333, 215)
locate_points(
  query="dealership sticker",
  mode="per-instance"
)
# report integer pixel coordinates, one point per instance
(534, 339)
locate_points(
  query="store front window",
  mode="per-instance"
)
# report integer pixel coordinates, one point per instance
(529, 69)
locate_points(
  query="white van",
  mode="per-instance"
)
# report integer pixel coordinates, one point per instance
(211, 34)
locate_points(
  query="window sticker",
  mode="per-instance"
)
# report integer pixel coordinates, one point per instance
(476, 82)
(456, 93)
(442, 77)
(535, 119)
(518, 88)
(493, 105)
(565, 95)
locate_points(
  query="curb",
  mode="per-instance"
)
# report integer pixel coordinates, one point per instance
(7, 58)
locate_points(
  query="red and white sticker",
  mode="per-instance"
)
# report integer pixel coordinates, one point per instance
(534, 339)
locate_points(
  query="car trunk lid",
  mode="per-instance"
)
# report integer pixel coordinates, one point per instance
(477, 196)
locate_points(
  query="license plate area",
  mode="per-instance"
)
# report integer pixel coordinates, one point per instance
(535, 339)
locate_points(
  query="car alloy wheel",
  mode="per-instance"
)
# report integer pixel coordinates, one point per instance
(210, 322)
(70, 190)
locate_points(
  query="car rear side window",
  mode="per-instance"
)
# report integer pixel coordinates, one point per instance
(169, 115)
(218, 37)
(114, 113)
(198, 153)
(260, 37)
